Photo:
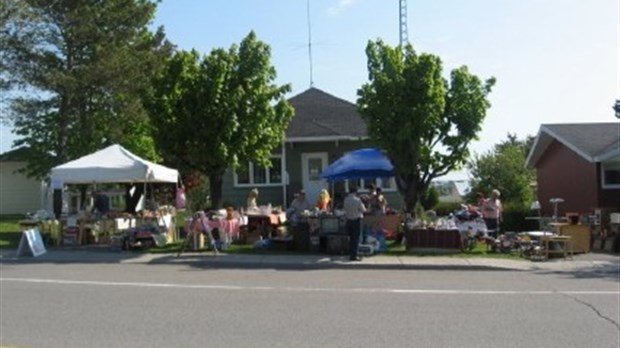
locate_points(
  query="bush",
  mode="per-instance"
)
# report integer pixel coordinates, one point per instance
(445, 208)
(513, 218)
(430, 198)
(198, 197)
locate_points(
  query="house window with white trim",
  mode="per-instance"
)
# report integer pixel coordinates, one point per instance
(386, 184)
(253, 174)
(610, 172)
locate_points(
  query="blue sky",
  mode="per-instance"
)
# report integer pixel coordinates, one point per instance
(555, 61)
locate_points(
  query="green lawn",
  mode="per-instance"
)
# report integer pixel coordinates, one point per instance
(10, 233)
(393, 250)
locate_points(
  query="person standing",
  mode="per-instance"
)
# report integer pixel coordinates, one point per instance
(324, 200)
(381, 201)
(354, 211)
(492, 212)
(251, 203)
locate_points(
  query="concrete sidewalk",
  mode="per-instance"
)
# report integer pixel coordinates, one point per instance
(592, 262)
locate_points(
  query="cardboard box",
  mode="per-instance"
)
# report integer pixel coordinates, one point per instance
(251, 236)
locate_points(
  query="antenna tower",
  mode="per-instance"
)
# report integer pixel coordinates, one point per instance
(402, 25)
(310, 43)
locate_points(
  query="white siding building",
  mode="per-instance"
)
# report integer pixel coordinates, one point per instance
(18, 193)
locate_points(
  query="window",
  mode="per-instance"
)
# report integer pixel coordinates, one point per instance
(386, 184)
(610, 172)
(259, 174)
(275, 172)
(242, 175)
(253, 174)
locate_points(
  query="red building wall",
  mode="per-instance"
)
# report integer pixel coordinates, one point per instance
(565, 174)
(608, 198)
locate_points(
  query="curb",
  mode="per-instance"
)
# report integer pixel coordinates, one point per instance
(608, 264)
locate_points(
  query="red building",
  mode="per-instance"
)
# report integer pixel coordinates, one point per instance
(579, 163)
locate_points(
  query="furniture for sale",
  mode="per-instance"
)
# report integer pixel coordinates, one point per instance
(433, 240)
(557, 245)
(580, 236)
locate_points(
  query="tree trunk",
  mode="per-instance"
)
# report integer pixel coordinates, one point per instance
(215, 190)
(411, 197)
(408, 188)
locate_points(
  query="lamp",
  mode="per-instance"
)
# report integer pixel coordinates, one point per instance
(555, 202)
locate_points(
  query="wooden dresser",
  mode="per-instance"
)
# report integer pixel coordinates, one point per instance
(580, 236)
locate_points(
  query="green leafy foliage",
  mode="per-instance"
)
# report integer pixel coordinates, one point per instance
(424, 122)
(514, 218)
(504, 168)
(74, 72)
(213, 112)
(430, 198)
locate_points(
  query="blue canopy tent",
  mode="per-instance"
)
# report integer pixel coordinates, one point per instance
(366, 163)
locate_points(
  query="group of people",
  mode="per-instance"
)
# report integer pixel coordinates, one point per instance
(300, 204)
(355, 206)
(374, 201)
(490, 209)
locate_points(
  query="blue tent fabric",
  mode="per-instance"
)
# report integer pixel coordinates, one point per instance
(366, 163)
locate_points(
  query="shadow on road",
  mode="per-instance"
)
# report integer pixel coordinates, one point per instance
(604, 270)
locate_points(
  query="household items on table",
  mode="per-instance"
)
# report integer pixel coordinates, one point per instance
(325, 232)
(148, 228)
(220, 227)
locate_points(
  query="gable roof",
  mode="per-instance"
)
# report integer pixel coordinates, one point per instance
(16, 155)
(320, 116)
(595, 142)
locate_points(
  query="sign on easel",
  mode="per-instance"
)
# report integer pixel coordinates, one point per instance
(31, 244)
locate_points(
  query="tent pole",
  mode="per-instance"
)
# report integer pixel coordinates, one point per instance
(284, 175)
(331, 183)
(145, 204)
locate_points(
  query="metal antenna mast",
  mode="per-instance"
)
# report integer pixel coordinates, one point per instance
(310, 43)
(402, 15)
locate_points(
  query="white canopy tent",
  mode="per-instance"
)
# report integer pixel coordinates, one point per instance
(114, 164)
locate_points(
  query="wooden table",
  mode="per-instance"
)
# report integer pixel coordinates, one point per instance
(433, 240)
(564, 241)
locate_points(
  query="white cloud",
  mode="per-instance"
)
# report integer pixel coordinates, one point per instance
(341, 6)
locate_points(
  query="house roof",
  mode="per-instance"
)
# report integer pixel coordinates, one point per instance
(320, 116)
(16, 155)
(595, 142)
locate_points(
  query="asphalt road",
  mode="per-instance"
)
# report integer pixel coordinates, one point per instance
(196, 304)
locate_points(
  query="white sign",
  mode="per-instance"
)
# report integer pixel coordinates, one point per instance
(31, 244)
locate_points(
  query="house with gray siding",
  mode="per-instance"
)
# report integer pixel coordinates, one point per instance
(323, 128)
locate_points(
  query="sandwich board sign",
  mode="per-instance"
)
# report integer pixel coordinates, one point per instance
(31, 244)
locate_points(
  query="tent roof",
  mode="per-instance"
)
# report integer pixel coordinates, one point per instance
(114, 164)
(365, 163)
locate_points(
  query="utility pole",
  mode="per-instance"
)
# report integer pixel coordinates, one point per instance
(402, 25)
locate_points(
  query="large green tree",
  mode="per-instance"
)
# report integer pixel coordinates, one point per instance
(425, 123)
(217, 111)
(73, 72)
(504, 168)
